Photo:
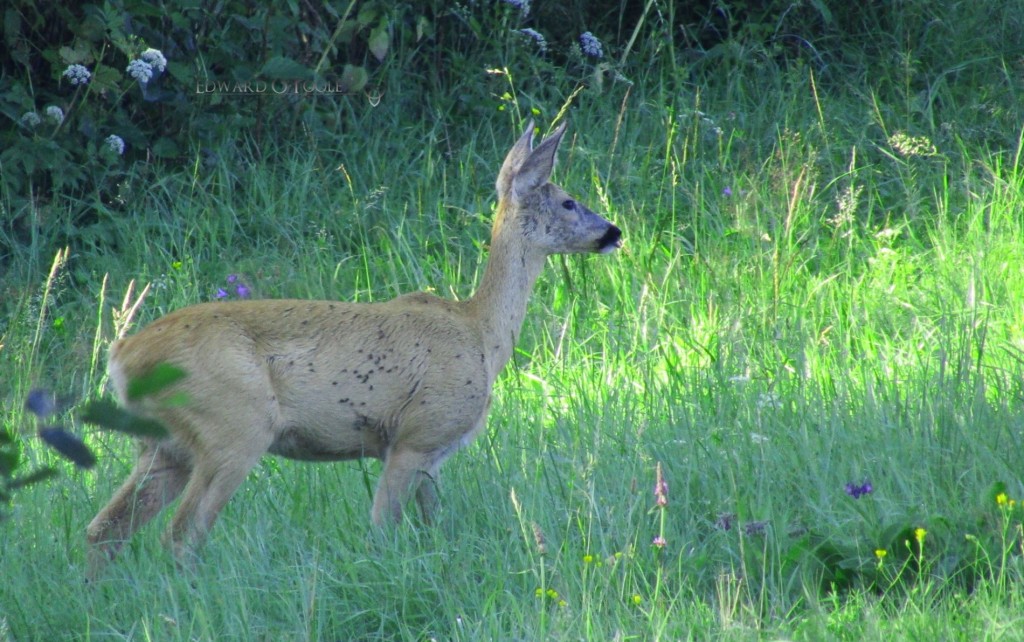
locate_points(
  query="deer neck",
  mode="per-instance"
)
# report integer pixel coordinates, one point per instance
(499, 303)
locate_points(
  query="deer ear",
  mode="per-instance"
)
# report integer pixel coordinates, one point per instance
(536, 169)
(514, 160)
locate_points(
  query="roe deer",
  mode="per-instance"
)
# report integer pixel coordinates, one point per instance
(407, 381)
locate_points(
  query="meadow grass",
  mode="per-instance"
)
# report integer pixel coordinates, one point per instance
(819, 289)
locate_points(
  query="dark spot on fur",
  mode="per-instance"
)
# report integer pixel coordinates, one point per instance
(334, 383)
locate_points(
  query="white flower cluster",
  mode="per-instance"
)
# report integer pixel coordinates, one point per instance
(143, 67)
(155, 58)
(140, 70)
(77, 74)
(55, 113)
(591, 45)
(535, 36)
(115, 144)
(30, 119)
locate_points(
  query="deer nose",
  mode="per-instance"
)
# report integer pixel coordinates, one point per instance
(611, 240)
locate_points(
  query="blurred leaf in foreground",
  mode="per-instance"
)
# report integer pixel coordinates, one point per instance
(161, 376)
(68, 445)
(106, 414)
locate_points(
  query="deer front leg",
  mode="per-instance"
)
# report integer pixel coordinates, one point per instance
(405, 471)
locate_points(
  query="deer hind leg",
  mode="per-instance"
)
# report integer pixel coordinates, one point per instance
(160, 474)
(217, 473)
(405, 471)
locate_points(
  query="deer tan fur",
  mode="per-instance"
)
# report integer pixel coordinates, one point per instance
(407, 381)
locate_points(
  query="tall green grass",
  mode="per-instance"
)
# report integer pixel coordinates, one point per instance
(819, 288)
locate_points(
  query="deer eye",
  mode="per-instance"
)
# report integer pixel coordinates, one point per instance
(569, 204)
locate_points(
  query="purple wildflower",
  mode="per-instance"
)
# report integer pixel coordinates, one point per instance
(590, 45)
(659, 541)
(221, 293)
(857, 490)
(232, 278)
(727, 191)
(242, 290)
(41, 403)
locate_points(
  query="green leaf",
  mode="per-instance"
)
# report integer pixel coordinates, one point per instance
(79, 55)
(367, 14)
(161, 376)
(353, 78)
(282, 67)
(106, 77)
(424, 28)
(9, 462)
(107, 415)
(165, 147)
(379, 41)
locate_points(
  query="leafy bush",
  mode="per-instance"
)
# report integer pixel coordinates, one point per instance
(93, 89)
(103, 97)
